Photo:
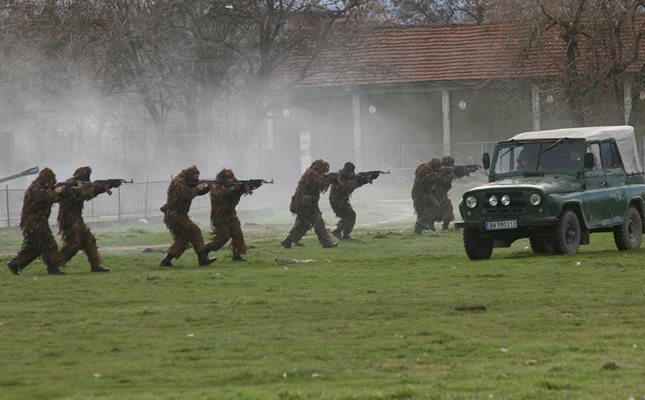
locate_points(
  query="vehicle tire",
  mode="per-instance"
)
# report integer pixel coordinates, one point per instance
(566, 238)
(628, 235)
(476, 247)
(541, 245)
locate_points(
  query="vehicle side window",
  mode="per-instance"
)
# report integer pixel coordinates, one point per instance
(594, 148)
(610, 157)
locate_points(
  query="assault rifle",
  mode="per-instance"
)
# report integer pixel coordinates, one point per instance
(26, 172)
(463, 170)
(345, 176)
(372, 174)
(252, 183)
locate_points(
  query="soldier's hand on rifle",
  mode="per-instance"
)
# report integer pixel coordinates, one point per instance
(59, 189)
(108, 189)
(248, 189)
(202, 186)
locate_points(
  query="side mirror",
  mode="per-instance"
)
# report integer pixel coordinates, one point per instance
(589, 161)
(486, 160)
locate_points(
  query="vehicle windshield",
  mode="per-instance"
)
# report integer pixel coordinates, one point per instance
(541, 157)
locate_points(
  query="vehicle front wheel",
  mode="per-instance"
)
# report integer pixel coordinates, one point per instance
(628, 235)
(476, 247)
(566, 238)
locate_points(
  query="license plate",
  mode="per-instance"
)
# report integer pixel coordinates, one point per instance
(492, 225)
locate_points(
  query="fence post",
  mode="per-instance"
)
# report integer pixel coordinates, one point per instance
(118, 199)
(6, 188)
(145, 199)
(402, 160)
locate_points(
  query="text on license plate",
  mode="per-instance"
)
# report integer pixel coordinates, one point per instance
(501, 225)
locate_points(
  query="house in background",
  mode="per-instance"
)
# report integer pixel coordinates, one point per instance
(397, 96)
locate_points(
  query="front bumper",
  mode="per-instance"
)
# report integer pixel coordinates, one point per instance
(522, 225)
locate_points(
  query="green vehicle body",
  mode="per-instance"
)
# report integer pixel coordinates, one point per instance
(600, 188)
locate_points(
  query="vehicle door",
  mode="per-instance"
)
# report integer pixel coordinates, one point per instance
(615, 181)
(595, 201)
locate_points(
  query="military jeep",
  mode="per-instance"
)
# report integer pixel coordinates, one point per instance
(555, 188)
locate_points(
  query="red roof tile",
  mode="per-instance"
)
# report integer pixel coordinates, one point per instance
(422, 54)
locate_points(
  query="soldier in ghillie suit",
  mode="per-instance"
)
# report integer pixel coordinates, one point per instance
(76, 235)
(38, 239)
(304, 203)
(339, 194)
(182, 190)
(225, 224)
(446, 176)
(426, 204)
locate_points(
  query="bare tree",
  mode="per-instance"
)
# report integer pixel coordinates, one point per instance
(446, 11)
(602, 44)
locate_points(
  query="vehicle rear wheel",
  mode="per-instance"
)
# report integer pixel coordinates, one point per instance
(476, 247)
(566, 239)
(628, 235)
(541, 245)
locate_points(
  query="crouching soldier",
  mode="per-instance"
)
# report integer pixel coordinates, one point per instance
(182, 190)
(225, 224)
(38, 239)
(339, 194)
(304, 203)
(76, 234)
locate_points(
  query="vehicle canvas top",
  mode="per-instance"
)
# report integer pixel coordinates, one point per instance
(623, 135)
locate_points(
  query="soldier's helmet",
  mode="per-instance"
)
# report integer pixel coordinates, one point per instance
(435, 164)
(320, 166)
(190, 173)
(82, 173)
(46, 177)
(225, 173)
(349, 167)
(447, 161)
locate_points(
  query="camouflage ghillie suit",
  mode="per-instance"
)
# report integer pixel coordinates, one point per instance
(339, 194)
(77, 235)
(225, 224)
(304, 204)
(38, 239)
(426, 204)
(447, 175)
(182, 190)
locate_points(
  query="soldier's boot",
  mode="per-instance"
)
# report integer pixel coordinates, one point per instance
(202, 258)
(99, 268)
(237, 257)
(54, 271)
(445, 226)
(431, 227)
(165, 262)
(329, 245)
(336, 232)
(286, 243)
(15, 269)
(418, 228)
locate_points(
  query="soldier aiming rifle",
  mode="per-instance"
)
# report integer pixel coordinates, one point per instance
(341, 190)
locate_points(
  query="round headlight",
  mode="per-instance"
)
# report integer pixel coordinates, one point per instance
(492, 201)
(506, 200)
(471, 202)
(535, 199)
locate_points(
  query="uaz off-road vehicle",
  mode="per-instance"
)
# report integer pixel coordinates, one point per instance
(557, 187)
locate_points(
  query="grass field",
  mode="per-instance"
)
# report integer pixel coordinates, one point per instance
(388, 315)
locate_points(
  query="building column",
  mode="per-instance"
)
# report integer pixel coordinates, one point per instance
(357, 133)
(445, 116)
(535, 102)
(627, 98)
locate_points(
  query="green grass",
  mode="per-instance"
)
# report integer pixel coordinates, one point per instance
(388, 315)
